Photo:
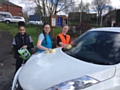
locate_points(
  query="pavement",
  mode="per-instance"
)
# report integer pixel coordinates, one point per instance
(7, 61)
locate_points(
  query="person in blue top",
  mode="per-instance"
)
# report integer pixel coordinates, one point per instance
(44, 42)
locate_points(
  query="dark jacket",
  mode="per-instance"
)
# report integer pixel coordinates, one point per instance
(18, 43)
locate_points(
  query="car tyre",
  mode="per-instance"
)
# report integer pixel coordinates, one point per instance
(7, 22)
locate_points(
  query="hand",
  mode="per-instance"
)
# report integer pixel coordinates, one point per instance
(25, 46)
(62, 44)
(21, 57)
(69, 46)
(50, 50)
(72, 43)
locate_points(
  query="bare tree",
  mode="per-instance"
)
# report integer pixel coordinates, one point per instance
(29, 5)
(86, 7)
(99, 5)
(72, 9)
(77, 7)
(51, 7)
(25, 15)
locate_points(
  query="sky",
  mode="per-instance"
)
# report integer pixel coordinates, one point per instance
(24, 5)
(114, 3)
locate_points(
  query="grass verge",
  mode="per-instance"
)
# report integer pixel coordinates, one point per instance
(32, 30)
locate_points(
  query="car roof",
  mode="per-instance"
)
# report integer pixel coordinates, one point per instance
(109, 29)
(5, 13)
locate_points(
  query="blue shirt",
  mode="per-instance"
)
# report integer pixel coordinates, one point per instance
(46, 43)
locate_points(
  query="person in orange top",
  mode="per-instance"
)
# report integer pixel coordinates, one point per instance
(63, 39)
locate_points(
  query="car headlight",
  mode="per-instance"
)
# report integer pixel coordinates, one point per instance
(75, 84)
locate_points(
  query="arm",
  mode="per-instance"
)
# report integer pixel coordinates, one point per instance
(15, 49)
(30, 45)
(59, 42)
(62, 44)
(14, 46)
(40, 46)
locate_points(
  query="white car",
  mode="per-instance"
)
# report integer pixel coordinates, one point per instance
(4, 15)
(93, 63)
(35, 22)
(14, 19)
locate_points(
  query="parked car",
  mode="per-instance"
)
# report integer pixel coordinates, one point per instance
(14, 19)
(1, 18)
(35, 22)
(93, 63)
(4, 15)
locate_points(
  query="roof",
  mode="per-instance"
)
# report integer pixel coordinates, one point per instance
(1, 12)
(108, 29)
(9, 3)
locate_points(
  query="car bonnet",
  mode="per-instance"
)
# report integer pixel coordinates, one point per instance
(44, 70)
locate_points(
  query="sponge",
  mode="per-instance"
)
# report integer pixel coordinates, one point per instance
(69, 46)
(53, 51)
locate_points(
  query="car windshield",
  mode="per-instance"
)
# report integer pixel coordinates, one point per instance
(99, 47)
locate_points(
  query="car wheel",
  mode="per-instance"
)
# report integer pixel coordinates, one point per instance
(17, 87)
(7, 22)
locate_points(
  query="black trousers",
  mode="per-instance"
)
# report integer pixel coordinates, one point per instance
(19, 62)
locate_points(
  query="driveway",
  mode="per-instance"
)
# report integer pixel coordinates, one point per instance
(7, 62)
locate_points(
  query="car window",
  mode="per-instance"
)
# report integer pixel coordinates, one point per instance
(100, 47)
(8, 16)
(5, 15)
(17, 17)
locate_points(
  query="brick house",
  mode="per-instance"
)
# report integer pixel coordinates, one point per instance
(12, 8)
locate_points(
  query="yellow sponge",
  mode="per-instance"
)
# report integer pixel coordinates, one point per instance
(53, 50)
(69, 46)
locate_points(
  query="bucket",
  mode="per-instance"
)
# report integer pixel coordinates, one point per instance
(24, 53)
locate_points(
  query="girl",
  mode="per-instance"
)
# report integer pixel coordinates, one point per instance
(63, 39)
(44, 40)
(21, 40)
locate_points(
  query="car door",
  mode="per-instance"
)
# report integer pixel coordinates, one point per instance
(13, 19)
(16, 19)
